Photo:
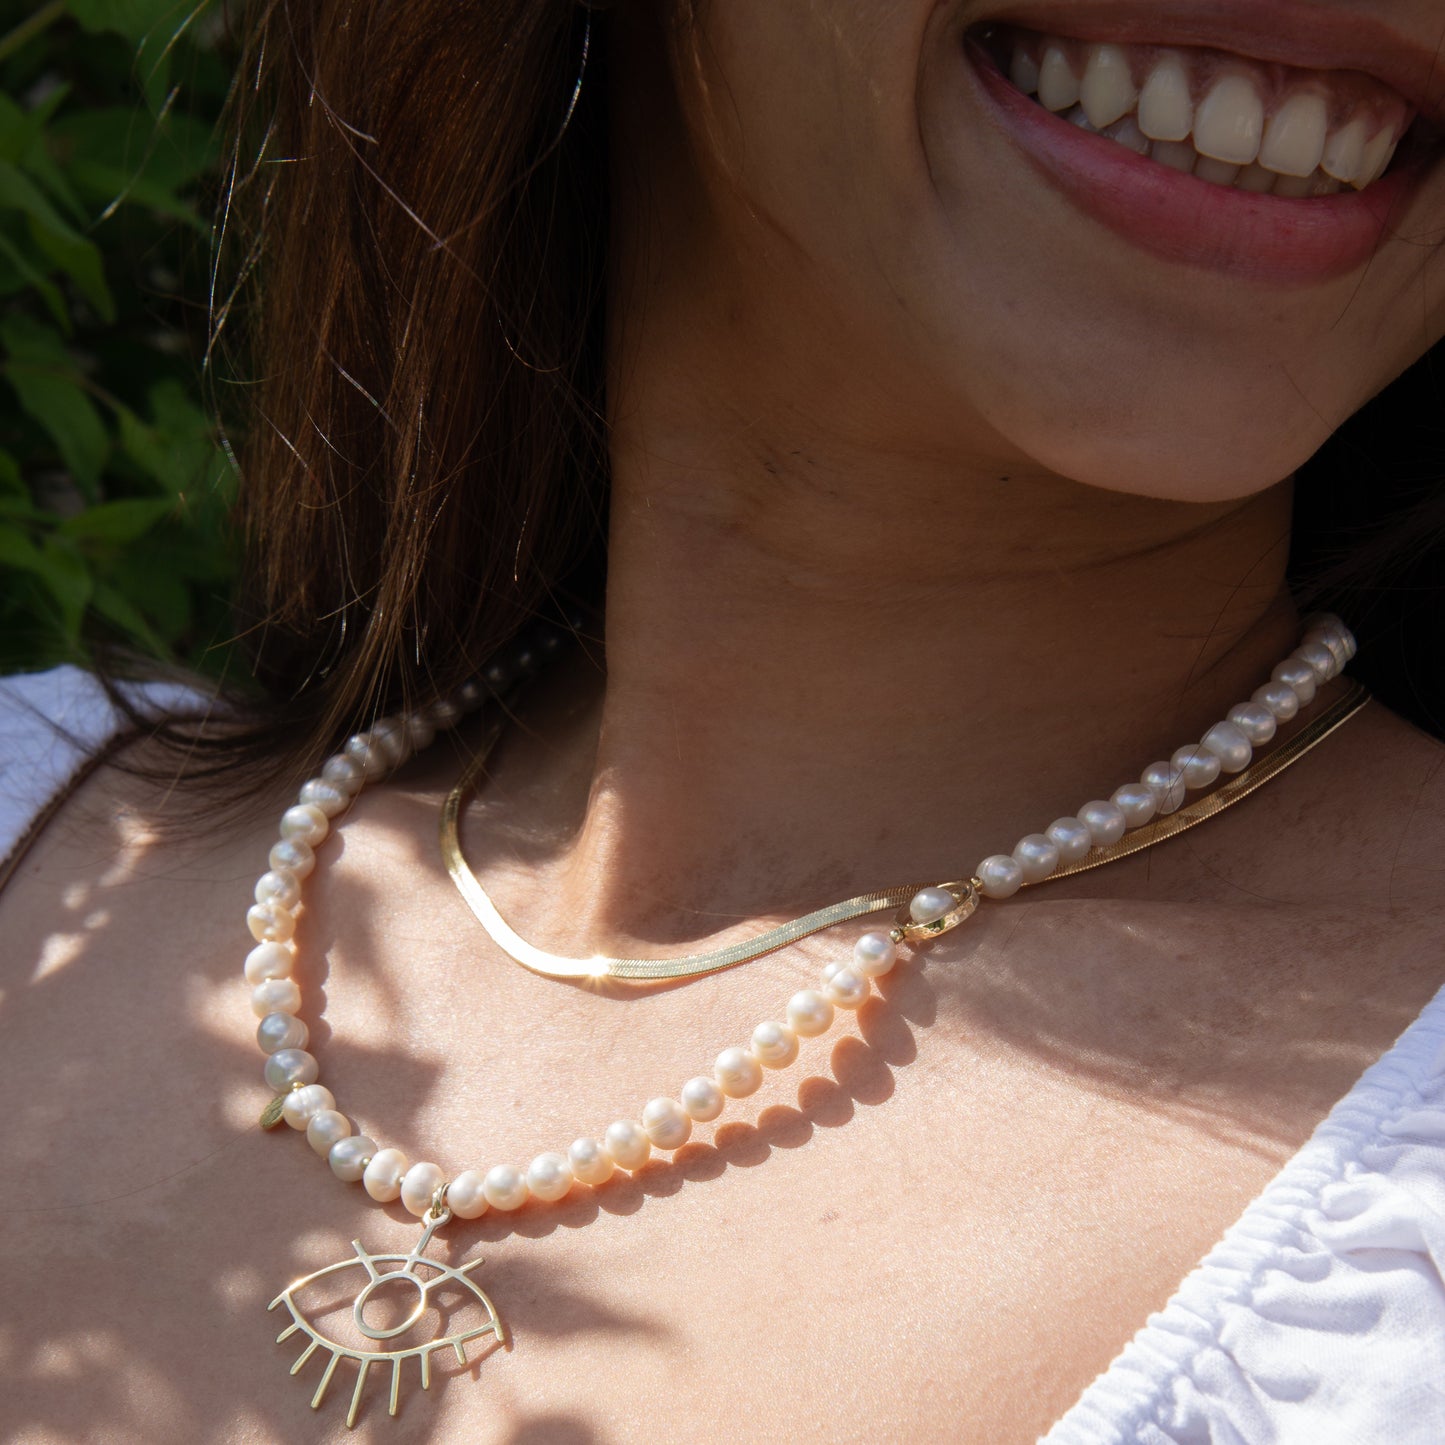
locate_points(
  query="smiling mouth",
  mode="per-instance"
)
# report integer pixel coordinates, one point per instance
(1223, 118)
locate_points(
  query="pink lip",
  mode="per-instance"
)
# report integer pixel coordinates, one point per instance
(1269, 239)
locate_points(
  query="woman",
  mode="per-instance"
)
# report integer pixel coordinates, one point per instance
(948, 449)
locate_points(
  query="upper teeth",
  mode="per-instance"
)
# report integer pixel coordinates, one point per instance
(1245, 126)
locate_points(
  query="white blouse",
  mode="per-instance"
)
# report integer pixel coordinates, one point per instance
(1319, 1318)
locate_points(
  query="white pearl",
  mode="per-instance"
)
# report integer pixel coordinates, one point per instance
(874, 955)
(420, 731)
(774, 1045)
(270, 922)
(702, 1099)
(302, 1103)
(1330, 637)
(1318, 657)
(1199, 766)
(305, 823)
(282, 1031)
(390, 736)
(1136, 802)
(1070, 837)
(269, 960)
(281, 886)
(382, 1177)
(738, 1073)
(466, 1195)
(1298, 675)
(348, 1157)
(1280, 698)
(372, 758)
(844, 987)
(344, 773)
(1166, 782)
(505, 1187)
(444, 713)
(1104, 821)
(290, 1066)
(326, 796)
(928, 905)
(1038, 856)
(666, 1123)
(1254, 720)
(325, 1130)
(295, 857)
(627, 1143)
(1229, 744)
(1000, 875)
(809, 1013)
(591, 1163)
(275, 996)
(549, 1177)
(419, 1186)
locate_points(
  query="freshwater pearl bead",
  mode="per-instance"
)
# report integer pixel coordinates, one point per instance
(1280, 698)
(390, 736)
(472, 694)
(295, 857)
(627, 1143)
(809, 1013)
(505, 1187)
(318, 793)
(348, 1157)
(591, 1163)
(702, 1099)
(1070, 837)
(1038, 855)
(774, 1045)
(371, 757)
(549, 1177)
(325, 1130)
(1298, 675)
(1318, 657)
(1254, 720)
(269, 960)
(344, 773)
(738, 1073)
(421, 732)
(305, 823)
(291, 1066)
(281, 1031)
(444, 713)
(281, 886)
(1331, 638)
(874, 955)
(666, 1123)
(419, 1186)
(845, 987)
(466, 1197)
(1104, 821)
(1166, 782)
(270, 922)
(1000, 876)
(1228, 743)
(1136, 802)
(1199, 766)
(302, 1103)
(275, 996)
(928, 905)
(382, 1177)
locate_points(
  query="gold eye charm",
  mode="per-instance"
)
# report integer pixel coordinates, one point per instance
(408, 1269)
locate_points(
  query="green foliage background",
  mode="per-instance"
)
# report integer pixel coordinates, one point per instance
(114, 487)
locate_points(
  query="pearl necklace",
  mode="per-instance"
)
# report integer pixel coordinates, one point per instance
(1095, 835)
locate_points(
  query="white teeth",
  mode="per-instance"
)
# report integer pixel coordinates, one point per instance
(1377, 157)
(1345, 152)
(1176, 154)
(1294, 139)
(1256, 178)
(1166, 111)
(1024, 71)
(1126, 131)
(1080, 117)
(1058, 85)
(1108, 90)
(1220, 172)
(1229, 124)
(1297, 186)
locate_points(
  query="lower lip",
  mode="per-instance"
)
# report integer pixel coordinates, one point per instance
(1272, 239)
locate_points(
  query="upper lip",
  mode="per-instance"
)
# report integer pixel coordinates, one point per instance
(1306, 34)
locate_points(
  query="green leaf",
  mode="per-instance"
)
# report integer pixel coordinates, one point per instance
(134, 19)
(117, 523)
(177, 448)
(20, 193)
(115, 608)
(81, 261)
(51, 390)
(68, 580)
(19, 552)
(49, 291)
(12, 484)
